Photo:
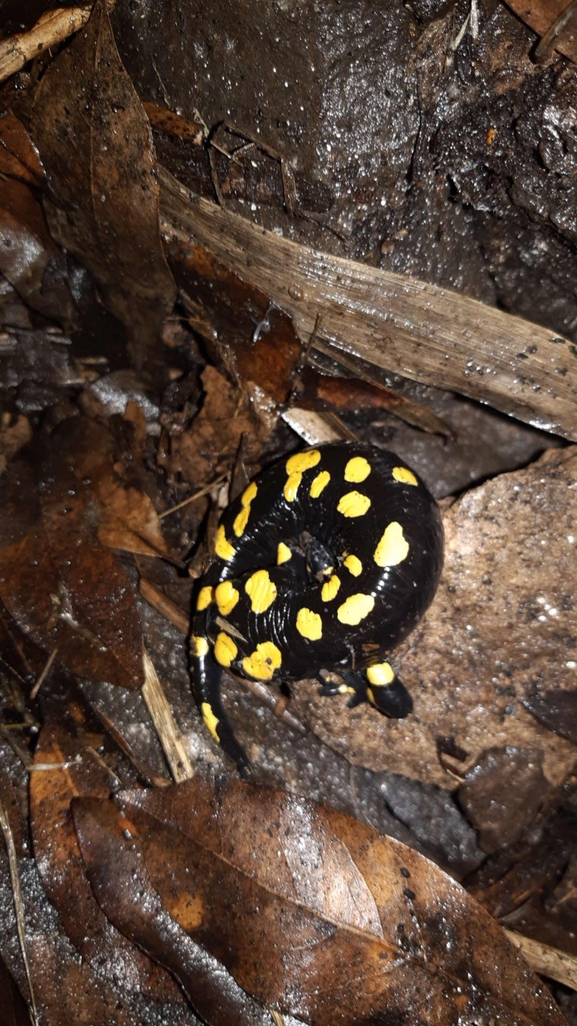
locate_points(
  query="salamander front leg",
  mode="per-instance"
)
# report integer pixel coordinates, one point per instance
(206, 677)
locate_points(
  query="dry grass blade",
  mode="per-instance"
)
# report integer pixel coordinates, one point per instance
(165, 724)
(421, 331)
(18, 904)
(547, 961)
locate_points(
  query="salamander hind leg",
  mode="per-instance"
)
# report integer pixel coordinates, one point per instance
(386, 692)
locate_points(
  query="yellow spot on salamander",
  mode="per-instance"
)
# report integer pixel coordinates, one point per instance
(309, 624)
(353, 565)
(241, 520)
(283, 554)
(404, 475)
(380, 674)
(263, 662)
(319, 484)
(330, 588)
(210, 720)
(393, 547)
(355, 609)
(223, 548)
(357, 470)
(261, 591)
(198, 646)
(204, 598)
(302, 461)
(292, 486)
(225, 650)
(353, 504)
(226, 597)
(370, 696)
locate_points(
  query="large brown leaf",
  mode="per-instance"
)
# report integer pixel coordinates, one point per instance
(95, 143)
(58, 581)
(313, 913)
(77, 771)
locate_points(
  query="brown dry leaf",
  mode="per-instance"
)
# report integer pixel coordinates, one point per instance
(18, 157)
(128, 520)
(543, 15)
(256, 344)
(313, 913)
(95, 143)
(14, 434)
(58, 582)
(14, 1010)
(77, 771)
(226, 417)
(29, 259)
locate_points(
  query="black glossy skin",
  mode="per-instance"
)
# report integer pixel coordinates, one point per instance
(320, 537)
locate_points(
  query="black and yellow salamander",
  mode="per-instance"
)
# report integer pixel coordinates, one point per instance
(326, 561)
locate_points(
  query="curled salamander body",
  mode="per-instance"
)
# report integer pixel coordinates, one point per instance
(326, 561)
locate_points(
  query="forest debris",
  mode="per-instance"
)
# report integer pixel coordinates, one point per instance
(60, 865)
(424, 332)
(94, 141)
(226, 416)
(164, 723)
(29, 258)
(51, 28)
(18, 906)
(18, 157)
(61, 585)
(315, 914)
(554, 21)
(516, 771)
(547, 961)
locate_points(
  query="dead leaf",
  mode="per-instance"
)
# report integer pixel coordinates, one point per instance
(226, 417)
(18, 157)
(29, 259)
(255, 343)
(59, 583)
(95, 143)
(313, 913)
(76, 772)
(129, 521)
(550, 18)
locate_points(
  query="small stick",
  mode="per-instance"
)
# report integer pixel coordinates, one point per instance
(45, 672)
(191, 498)
(165, 606)
(50, 29)
(18, 904)
(165, 724)
(547, 961)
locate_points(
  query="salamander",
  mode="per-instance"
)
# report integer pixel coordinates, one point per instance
(325, 562)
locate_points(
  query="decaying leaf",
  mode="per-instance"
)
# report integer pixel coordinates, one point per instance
(77, 771)
(57, 580)
(94, 140)
(313, 913)
(226, 417)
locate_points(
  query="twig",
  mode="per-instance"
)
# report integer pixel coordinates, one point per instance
(164, 723)
(45, 672)
(18, 904)
(197, 495)
(165, 606)
(547, 961)
(51, 28)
